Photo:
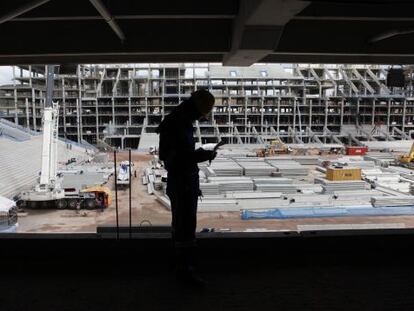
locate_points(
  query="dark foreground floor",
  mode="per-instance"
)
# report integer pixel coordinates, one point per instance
(255, 273)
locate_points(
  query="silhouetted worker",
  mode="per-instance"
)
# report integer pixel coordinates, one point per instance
(177, 151)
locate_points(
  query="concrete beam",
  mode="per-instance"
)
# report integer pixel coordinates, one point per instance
(313, 136)
(237, 134)
(258, 28)
(346, 78)
(295, 136)
(332, 79)
(386, 134)
(375, 78)
(403, 134)
(332, 135)
(363, 81)
(354, 139)
(257, 135)
(217, 131)
(274, 132)
(366, 134)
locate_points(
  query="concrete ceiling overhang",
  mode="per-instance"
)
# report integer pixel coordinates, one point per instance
(235, 32)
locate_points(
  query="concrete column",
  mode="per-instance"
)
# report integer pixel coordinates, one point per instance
(261, 114)
(357, 121)
(228, 109)
(404, 113)
(113, 110)
(310, 114)
(79, 118)
(373, 112)
(64, 107)
(278, 116)
(163, 93)
(27, 113)
(34, 110)
(97, 119)
(30, 75)
(129, 111)
(294, 114)
(79, 104)
(15, 96)
(146, 107)
(388, 114)
(245, 111)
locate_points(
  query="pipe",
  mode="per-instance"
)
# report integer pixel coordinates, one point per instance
(21, 10)
(100, 7)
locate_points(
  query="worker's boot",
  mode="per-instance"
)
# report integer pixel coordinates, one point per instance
(185, 271)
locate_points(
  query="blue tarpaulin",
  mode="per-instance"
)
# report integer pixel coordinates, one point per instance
(318, 212)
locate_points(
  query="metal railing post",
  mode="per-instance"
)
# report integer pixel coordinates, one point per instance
(130, 183)
(116, 198)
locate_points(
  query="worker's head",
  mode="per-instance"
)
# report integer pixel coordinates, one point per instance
(204, 102)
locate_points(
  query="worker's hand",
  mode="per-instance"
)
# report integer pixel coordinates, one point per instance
(213, 155)
(205, 155)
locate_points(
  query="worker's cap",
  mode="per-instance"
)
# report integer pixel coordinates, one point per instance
(204, 101)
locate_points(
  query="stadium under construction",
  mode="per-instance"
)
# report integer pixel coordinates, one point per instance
(305, 202)
(299, 103)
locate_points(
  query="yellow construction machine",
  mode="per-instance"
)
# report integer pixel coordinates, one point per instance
(407, 160)
(275, 146)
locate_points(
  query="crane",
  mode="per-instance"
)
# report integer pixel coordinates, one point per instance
(48, 190)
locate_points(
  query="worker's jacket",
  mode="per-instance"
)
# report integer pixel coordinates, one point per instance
(177, 145)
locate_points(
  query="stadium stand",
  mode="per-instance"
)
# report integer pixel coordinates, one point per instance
(20, 158)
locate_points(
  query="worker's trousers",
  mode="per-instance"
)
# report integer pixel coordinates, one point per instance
(183, 191)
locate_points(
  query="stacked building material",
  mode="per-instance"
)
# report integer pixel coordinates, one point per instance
(396, 145)
(389, 180)
(408, 177)
(399, 169)
(307, 160)
(304, 160)
(353, 194)
(392, 201)
(240, 185)
(380, 158)
(284, 188)
(289, 167)
(308, 188)
(256, 195)
(309, 199)
(256, 168)
(218, 205)
(220, 179)
(332, 186)
(209, 188)
(224, 167)
(274, 180)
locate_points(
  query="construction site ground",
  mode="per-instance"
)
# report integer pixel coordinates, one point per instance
(147, 210)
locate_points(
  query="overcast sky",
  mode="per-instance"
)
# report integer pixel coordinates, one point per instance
(5, 75)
